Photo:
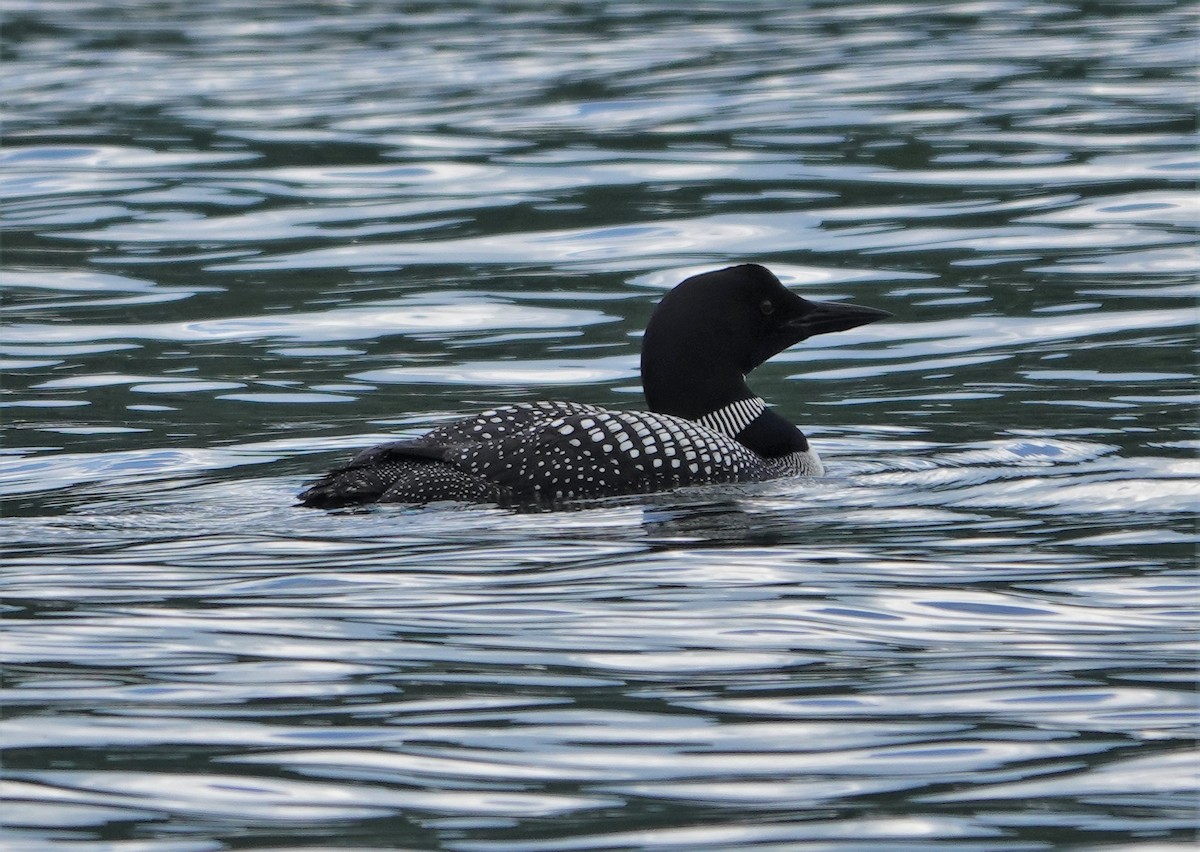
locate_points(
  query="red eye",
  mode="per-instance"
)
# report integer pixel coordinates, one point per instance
(767, 307)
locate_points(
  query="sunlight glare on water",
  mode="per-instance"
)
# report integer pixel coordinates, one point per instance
(243, 241)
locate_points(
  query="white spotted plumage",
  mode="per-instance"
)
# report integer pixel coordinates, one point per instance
(533, 455)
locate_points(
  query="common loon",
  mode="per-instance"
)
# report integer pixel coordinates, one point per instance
(704, 425)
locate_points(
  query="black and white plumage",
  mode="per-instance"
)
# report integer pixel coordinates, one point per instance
(705, 426)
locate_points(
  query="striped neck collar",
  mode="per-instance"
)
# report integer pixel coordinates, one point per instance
(733, 418)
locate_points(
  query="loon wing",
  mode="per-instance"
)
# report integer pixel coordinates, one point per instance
(603, 453)
(419, 470)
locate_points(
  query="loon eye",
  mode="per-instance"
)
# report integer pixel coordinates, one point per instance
(767, 307)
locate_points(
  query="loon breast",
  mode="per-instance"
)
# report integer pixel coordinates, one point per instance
(553, 451)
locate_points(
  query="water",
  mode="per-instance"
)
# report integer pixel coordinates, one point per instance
(243, 240)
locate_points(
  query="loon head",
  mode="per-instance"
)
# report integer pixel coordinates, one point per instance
(709, 332)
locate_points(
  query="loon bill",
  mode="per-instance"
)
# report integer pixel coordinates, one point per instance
(704, 425)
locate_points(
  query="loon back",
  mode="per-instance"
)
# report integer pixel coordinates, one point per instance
(551, 451)
(705, 426)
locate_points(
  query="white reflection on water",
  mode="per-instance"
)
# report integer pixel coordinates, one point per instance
(75, 280)
(535, 373)
(110, 157)
(635, 243)
(355, 323)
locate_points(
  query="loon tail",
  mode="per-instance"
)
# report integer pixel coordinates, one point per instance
(374, 474)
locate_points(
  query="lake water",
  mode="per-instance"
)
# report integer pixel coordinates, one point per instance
(244, 239)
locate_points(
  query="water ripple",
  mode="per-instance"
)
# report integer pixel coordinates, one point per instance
(241, 245)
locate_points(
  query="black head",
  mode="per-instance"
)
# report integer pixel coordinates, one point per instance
(710, 331)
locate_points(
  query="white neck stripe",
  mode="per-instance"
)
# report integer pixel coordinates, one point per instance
(733, 418)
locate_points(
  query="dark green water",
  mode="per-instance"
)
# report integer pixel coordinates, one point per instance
(243, 240)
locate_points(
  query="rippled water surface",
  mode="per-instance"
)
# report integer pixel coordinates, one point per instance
(243, 240)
